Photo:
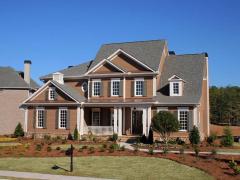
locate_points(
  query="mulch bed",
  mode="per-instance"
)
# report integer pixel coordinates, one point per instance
(216, 166)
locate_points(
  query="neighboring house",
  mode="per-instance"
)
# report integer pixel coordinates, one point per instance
(15, 87)
(121, 90)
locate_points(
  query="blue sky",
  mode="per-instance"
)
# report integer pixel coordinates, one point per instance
(57, 33)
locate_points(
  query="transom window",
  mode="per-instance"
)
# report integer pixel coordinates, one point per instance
(139, 87)
(95, 118)
(51, 93)
(175, 88)
(96, 87)
(63, 118)
(115, 83)
(40, 117)
(183, 120)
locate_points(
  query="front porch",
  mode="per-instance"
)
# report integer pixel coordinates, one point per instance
(135, 120)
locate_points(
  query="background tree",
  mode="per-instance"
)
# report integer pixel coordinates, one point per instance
(165, 123)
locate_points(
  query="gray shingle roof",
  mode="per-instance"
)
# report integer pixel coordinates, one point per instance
(191, 69)
(148, 52)
(9, 78)
(70, 91)
(77, 70)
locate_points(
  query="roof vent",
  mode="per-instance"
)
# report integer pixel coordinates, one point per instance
(70, 66)
(171, 52)
(206, 54)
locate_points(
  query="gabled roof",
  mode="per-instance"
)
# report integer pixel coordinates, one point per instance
(70, 92)
(175, 78)
(188, 67)
(77, 70)
(147, 52)
(10, 78)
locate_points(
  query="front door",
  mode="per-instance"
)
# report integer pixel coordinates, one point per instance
(137, 122)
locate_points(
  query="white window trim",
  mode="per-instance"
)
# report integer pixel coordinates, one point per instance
(93, 81)
(37, 109)
(115, 80)
(135, 80)
(83, 85)
(99, 111)
(179, 110)
(180, 84)
(49, 96)
(59, 117)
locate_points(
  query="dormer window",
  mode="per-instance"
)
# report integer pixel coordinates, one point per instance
(51, 94)
(175, 86)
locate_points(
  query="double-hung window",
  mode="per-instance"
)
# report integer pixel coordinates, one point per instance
(176, 88)
(138, 87)
(183, 119)
(96, 90)
(96, 117)
(63, 115)
(115, 84)
(51, 93)
(40, 117)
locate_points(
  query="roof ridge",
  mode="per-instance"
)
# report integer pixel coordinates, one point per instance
(192, 54)
(135, 41)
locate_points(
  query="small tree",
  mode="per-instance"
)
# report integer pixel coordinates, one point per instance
(227, 139)
(194, 136)
(19, 131)
(165, 123)
(75, 134)
(150, 136)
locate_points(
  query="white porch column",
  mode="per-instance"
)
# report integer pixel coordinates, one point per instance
(144, 120)
(124, 132)
(124, 87)
(149, 118)
(195, 116)
(115, 116)
(78, 119)
(25, 119)
(119, 121)
(81, 121)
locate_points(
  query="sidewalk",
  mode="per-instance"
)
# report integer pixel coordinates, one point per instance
(29, 175)
(128, 146)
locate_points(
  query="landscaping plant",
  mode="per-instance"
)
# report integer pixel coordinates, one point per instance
(233, 165)
(196, 150)
(115, 137)
(19, 131)
(165, 123)
(227, 139)
(211, 138)
(70, 136)
(150, 151)
(38, 147)
(150, 136)
(75, 134)
(194, 136)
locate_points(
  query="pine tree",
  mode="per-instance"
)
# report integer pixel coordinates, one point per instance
(19, 131)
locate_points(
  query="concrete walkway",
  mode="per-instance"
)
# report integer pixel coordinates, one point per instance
(29, 175)
(128, 146)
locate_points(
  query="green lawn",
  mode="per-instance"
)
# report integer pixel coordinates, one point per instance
(108, 167)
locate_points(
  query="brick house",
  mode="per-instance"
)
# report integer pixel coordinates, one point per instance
(121, 90)
(15, 87)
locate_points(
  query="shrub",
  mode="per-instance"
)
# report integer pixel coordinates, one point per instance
(38, 147)
(165, 150)
(143, 139)
(136, 148)
(213, 151)
(227, 139)
(49, 149)
(91, 149)
(19, 131)
(84, 147)
(115, 137)
(83, 138)
(70, 136)
(64, 141)
(27, 146)
(150, 151)
(102, 149)
(47, 137)
(80, 150)
(179, 141)
(165, 123)
(211, 138)
(181, 150)
(196, 150)
(114, 146)
(58, 148)
(194, 136)
(232, 164)
(75, 134)
(104, 146)
(150, 136)
(122, 148)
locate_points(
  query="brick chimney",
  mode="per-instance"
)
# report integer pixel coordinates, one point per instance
(27, 68)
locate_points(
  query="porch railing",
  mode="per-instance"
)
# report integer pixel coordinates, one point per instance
(99, 130)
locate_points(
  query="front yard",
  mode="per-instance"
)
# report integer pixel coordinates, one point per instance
(108, 167)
